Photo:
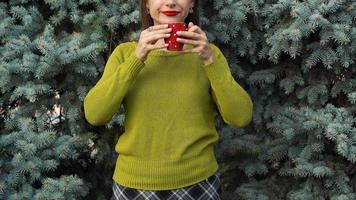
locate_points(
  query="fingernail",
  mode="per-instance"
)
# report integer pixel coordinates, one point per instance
(166, 25)
(178, 32)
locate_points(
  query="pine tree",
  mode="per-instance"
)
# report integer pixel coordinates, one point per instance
(51, 54)
(296, 58)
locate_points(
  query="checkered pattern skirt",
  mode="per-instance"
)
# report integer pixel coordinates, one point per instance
(208, 189)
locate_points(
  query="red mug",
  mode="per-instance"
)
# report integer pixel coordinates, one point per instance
(173, 45)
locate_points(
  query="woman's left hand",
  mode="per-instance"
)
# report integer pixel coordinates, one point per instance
(199, 41)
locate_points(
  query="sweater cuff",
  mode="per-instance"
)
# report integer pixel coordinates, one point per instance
(135, 65)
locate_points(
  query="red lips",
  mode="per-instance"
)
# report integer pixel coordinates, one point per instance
(170, 13)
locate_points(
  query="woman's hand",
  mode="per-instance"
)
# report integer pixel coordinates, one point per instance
(149, 39)
(199, 41)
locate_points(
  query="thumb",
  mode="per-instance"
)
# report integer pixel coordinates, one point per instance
(190, 24)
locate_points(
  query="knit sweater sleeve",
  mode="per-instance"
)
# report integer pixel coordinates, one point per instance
(104, 99)
(233, 102)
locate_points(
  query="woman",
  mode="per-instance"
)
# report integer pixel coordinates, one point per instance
(167, 149)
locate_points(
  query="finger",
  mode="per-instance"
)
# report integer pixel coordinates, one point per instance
(166, 30)
(155, 27)
(153, 47)
(155, 37)
(186, 41)
(196, 29)
(191, 35)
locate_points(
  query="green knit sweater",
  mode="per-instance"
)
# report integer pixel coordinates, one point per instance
(168, 100)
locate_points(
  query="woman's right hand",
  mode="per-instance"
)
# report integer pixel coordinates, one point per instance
(148, 40)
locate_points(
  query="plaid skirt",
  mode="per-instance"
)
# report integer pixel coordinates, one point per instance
(208, 189)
